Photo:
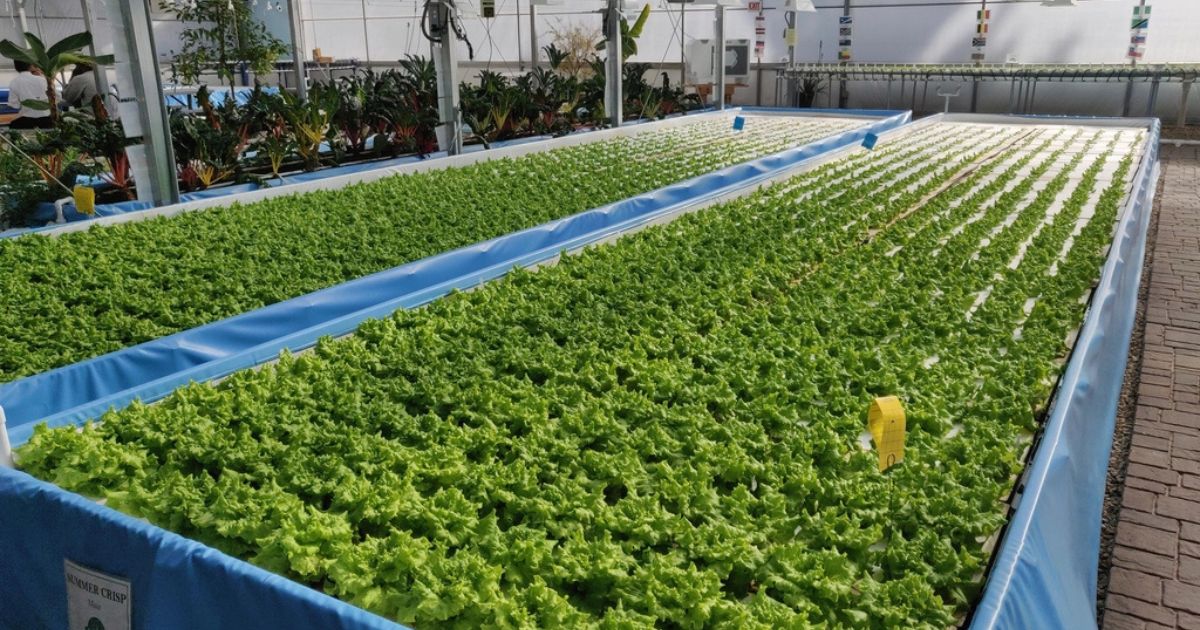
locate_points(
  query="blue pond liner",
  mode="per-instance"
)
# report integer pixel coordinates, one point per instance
(178, 583)
(1044, 571)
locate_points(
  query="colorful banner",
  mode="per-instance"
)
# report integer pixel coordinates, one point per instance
(845, 28)
(1138, 26)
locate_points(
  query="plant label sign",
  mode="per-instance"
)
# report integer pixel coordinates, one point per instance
(885, 421)
(869, 141)
(96, 601)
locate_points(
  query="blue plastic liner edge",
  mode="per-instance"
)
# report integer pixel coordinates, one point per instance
(1044, 573)
(179, 583)
(148, 371)
(174, 582)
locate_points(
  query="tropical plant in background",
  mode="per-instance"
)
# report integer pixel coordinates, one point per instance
(808, 86)
(104, 140)
(221, 37)
(629, 34)
(310, 121)
(51, 62)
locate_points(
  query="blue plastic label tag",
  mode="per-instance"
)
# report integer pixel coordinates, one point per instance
(869, 140)
(739, 122)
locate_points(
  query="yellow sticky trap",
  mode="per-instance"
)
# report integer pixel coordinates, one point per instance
(789, 36)
(85, 199)
(885, 421)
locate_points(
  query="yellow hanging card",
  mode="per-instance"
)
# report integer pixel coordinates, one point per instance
(85, 199)
(885, 421)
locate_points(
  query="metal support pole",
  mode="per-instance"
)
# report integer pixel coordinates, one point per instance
(445, 58)
(719, 70)
(366, 33)
(89, 24)
(1153, 102)
(1183, 104)
(613, 100)
(298, 68)
(534, 52)
(1129, 88)
(137, 64)
(978, 63)
(1032, 95)
(889, 93)
(682, 50)
(520, 59)
(843, 87)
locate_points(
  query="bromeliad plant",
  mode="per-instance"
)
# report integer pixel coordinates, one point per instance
(310, 122)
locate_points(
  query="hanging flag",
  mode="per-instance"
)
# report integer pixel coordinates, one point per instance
(760, 35)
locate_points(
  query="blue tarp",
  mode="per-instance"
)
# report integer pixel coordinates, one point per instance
(1044, 572)
(148, 371)
(178, 583)
(175, 582)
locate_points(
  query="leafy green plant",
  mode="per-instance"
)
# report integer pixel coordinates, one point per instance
(21, 186)
(51, 62)
(664, 431)
(250, 258)
(309, 122)
(629, 34)
(221, 36)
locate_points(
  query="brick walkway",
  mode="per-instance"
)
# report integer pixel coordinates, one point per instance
(1155, 581)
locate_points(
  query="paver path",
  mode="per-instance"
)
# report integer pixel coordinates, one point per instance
(1155, 580)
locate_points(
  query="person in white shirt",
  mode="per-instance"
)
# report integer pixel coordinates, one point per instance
(28, 86)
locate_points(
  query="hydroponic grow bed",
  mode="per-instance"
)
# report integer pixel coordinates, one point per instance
(669, 428)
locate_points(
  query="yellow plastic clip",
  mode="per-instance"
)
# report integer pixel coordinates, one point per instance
(885, 421)
(85, 200)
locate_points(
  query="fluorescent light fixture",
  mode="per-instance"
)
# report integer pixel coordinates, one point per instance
(1059, 3)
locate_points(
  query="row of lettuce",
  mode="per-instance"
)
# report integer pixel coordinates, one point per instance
(664, 431)
(80, 295)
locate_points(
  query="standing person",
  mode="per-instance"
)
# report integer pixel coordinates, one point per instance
(81, 89)
(29, 85)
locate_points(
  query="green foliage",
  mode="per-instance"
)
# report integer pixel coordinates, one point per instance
(21, 186)
(122, 285)
(663, 431)
(221, 36)
(51, 61)
(629, 34)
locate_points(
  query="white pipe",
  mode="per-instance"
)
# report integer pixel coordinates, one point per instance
(58, 209)
(21, 17)
(6, 460)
